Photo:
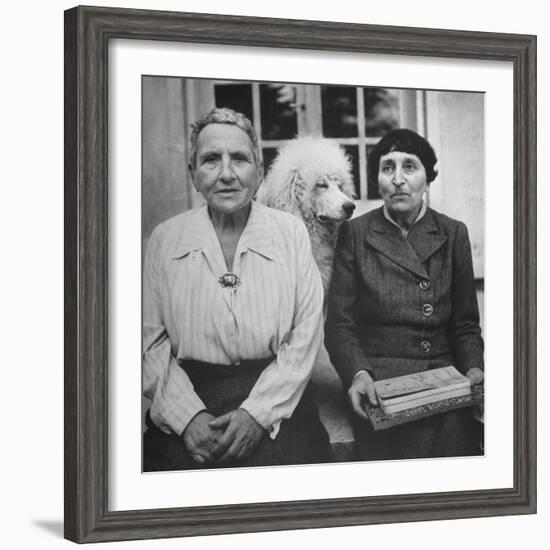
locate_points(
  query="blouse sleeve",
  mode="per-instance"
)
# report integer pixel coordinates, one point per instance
(173, 400)
(280, 386)
(465, 331)
(341, 339)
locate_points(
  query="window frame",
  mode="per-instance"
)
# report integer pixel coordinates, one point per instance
(310, 120)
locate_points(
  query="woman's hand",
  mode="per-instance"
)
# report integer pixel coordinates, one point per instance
(361, 386)
(241, 435)
(200, 439)
(475, 375)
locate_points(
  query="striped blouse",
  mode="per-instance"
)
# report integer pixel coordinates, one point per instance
(275, 311)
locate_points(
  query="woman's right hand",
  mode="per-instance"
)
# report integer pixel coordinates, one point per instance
(200, 439)
(362, 387)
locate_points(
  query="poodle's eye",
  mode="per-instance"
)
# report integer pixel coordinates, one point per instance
(321, 185)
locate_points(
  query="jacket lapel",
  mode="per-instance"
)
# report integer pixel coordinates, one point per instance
(423, 241)
(426, 238)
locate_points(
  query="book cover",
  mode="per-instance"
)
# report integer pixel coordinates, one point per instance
(381, 420)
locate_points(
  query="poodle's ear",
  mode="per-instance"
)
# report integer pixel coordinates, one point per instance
(299, 187)
(294, 185)
(296, 190)
(291, 187)
(286, 198)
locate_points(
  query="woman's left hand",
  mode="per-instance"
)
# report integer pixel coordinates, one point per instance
(475, 375)
(241, 435)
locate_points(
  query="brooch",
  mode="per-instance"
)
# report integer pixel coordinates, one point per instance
(229, 280)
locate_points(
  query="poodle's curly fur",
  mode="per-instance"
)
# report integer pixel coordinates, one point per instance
(311, 178)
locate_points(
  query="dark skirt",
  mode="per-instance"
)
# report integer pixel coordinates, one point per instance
(451, 434)
(302, 439)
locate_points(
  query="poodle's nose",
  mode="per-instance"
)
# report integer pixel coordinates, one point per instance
(348, 209)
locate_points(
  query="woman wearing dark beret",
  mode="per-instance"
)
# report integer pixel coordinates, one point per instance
(402, 300)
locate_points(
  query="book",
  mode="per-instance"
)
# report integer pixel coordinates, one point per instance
(413, 390)
(380, 420)
(396, 407)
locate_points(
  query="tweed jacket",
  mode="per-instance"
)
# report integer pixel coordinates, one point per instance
(399, 305)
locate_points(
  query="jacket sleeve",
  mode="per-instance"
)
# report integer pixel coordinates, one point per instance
(341, 339)
(173, 400)
(464, 328)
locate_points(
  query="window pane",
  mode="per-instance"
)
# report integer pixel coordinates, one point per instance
(339, 105)
(353, 153)
(381, 111)
(372, 180)
(269, 154)
(235, 96)
(278, 111)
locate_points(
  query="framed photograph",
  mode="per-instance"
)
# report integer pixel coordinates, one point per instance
(148, 98)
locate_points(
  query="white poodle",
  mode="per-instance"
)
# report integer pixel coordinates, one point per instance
(311, 178)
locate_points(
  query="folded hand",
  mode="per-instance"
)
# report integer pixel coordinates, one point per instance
(200, 439)
(241, 435)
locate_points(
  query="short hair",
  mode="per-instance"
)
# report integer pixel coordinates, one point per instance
(223, 116)
(405, 141)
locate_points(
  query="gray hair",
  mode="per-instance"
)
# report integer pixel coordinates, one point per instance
(223, 116)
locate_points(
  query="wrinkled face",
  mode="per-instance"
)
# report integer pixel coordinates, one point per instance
(226, 172)
(330, 199)
(402, 182)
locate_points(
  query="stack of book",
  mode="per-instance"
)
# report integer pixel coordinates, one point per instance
(422, 388)
(408, 398)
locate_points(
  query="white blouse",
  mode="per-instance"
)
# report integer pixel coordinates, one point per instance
(277, 310)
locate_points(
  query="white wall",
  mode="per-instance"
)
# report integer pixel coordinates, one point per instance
(31, 305)
(455, 127)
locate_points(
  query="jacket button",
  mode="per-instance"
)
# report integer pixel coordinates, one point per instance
(425, 346)
(425, 284)
(427, 310)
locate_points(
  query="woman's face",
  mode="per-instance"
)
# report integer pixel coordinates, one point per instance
(402, 182)
(226, 173)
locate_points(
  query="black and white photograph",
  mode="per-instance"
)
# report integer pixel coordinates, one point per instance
(273, 275)
(313, 273)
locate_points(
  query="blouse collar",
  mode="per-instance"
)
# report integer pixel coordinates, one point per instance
(199, 233)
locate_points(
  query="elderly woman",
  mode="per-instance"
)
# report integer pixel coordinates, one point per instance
(232, 319)
(402, 300)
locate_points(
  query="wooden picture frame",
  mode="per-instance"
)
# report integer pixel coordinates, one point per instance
(87, 34)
